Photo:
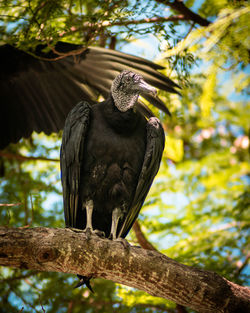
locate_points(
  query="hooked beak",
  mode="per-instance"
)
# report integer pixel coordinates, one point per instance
(146, 88)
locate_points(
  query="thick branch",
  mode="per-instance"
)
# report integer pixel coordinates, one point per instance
(63, 250)
(145, 244)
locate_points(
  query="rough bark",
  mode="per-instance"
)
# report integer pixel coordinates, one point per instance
(64, 250)
(145, 244)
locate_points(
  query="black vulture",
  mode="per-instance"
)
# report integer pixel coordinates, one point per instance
(39, 88)
(38, 92)
(110, 155)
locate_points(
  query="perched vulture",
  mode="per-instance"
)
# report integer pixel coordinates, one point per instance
(38, 92)
(110, 155)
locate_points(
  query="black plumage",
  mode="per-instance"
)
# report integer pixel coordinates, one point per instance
(38, 92)
(110, 155)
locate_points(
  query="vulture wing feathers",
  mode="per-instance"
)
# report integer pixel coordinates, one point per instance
(153, 154)
(74, 134)
(38, 92)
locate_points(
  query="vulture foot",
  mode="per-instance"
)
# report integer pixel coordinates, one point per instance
(116, 215)
(99, 233)
(84, 280)
(76, 230)
(90, 232)
(124, 242)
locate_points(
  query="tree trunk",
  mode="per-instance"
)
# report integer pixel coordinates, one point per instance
(64, 250)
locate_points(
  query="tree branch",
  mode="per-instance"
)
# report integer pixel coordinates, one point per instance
(142, 240)
(145, 244)
(157, 19)
(19, 277)
(242, 265)
(67, 251)
(180, 7)
(21, 157)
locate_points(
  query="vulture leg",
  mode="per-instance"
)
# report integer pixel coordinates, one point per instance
(89, 227)
(89, 211)
(116, 215)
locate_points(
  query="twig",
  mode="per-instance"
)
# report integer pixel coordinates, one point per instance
(10, 204)
(10, 155)
(158, 19)
(12, 279)
(24, 300)
(32, 210)
(41, 304)
(243, 265)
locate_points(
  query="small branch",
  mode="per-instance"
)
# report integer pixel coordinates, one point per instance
(112, 43)
(10, 204)
(158, 19)
(10, 155)
(67, 251)
(101, 26)
(188, 14)
(243, 265)
(14, 278)
(142, 240)
(24, 300)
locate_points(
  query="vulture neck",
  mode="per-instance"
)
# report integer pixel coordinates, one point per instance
(121, 122)
(124, 100)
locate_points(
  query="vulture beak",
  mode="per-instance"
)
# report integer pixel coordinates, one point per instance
(146, 88)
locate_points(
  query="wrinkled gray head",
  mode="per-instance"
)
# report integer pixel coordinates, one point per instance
(127, 87)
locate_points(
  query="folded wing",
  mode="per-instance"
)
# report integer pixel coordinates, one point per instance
(74, 134)
(150, 167)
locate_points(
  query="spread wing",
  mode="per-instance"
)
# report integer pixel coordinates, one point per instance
(74, 134)
(37, 93)
(150, 167)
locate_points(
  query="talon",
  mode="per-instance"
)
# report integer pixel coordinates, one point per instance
(84, 280)
(88, 231)
(124, 242)
(99, 233)
(76, 230)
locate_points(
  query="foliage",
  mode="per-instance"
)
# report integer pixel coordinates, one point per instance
(85, 22)
(198, 208)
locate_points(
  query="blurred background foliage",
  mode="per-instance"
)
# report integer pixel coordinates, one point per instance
(197, 211)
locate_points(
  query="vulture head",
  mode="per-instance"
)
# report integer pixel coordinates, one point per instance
(127, 87)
